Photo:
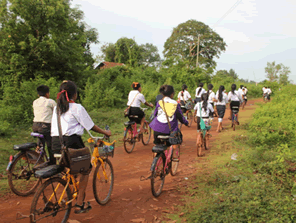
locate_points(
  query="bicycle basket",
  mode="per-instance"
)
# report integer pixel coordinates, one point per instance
(189, 105)
(107, 149)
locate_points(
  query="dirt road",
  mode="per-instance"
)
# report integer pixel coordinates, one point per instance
(132, 200)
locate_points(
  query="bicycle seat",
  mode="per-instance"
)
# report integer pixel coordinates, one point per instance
(35, 134)
(48, 171)
(25, 146)
(129, 123)
(159, 148)
(134, 116)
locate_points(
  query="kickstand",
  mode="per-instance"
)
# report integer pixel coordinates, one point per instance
(142, 178)
(20, 216)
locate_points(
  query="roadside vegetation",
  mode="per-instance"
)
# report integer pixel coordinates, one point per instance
(259, 185)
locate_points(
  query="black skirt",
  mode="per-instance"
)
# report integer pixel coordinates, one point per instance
(73, 142)
(138, 112)
(221, 110)
(198, 122)
(157, 141)
(235, 104)
(197, 100)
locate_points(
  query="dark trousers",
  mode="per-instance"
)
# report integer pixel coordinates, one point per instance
(44, 129)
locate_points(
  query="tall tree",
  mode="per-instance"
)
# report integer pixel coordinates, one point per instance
(284, 75)
(183, 42)
(233, 74)
(272, 70)
(109, 52)
(127, 51)
(43, 39)
(149, 54)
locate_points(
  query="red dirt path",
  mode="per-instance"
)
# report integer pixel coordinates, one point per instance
(131, 200)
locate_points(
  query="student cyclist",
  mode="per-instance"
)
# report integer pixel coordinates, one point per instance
(244, 96)
(183, 97)
(160, 124)
(135, 98)
(74, 119)
(203, 108)
(235, 99)
(43, 108)
(211, 98)
(222, 100)
(199, 91)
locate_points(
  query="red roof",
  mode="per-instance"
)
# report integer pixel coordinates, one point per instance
(105, 64)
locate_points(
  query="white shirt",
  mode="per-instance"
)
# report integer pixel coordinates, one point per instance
(245, 91)
(268, 91)
(201, 92)
(240, 91)
(74, 121)
(136, 101)
(185, 97)
(203, 112)
(211, 96)
(224, 99)
(235, 97)
(43, 108)
(161, 116)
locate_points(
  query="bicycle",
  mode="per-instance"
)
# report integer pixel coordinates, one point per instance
(202, 141)
(244, 101)
(62, 191)
(132, 135)
(235, 110)
(22, 166)
(188, 114)
(165, 162)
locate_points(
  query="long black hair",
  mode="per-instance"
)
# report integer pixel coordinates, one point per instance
(200, 87)
(233, 87)
(221, 89)
(184, 87)
(166, 90)
(210, 87)
(67, 91)
(204, 99)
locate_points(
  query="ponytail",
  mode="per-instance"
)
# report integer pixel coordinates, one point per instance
(210, 87)
(184, 87)
(67, 91)
(200, 87)
(220, 96)
(233, 87)
(204, 98)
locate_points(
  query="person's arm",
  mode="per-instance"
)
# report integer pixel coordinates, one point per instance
(149, 104)
(99, 130)
(180, 116)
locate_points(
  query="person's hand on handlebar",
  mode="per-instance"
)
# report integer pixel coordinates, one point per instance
(108, 133)
(149, 104)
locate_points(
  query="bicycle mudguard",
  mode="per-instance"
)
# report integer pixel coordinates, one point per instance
(13, 159)
(155, 161)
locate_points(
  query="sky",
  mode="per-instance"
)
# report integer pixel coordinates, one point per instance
(256, 31)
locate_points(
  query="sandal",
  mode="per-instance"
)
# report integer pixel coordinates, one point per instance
(81, 208)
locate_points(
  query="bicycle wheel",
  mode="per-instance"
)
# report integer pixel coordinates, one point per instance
(103, 181)
(206, 141)
(175, 159)
(146, 135)
(45, 202)
(128, 140)
(189, 118)
(158, 175)
(200, 145)
(21, 178)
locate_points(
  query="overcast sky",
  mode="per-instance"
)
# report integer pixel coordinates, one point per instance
(256, 32)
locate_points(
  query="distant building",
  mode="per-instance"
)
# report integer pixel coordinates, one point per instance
(105, 65)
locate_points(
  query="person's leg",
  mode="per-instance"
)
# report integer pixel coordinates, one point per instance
(219, 125)
(142, 130)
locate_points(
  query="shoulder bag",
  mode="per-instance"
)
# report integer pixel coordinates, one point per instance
(128, 110)
(175, 136)
(78, 160)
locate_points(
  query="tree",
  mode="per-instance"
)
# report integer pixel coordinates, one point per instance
(272, 71)
(109, 52)
(149, 54)
(277, 72)
(233, 74)
(183, 44)
(284, 75)
(43, 39)
(127, 51)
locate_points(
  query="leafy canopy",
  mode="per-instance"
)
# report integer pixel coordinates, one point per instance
(182, 44)
(43, 39)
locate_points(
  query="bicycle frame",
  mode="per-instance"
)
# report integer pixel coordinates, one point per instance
(168, 154)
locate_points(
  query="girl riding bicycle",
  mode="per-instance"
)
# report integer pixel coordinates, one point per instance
(173, 110)
(183, 97)
(235, 99)
(222, 100)
(74, 119)
(135, 98)
(199, 91)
